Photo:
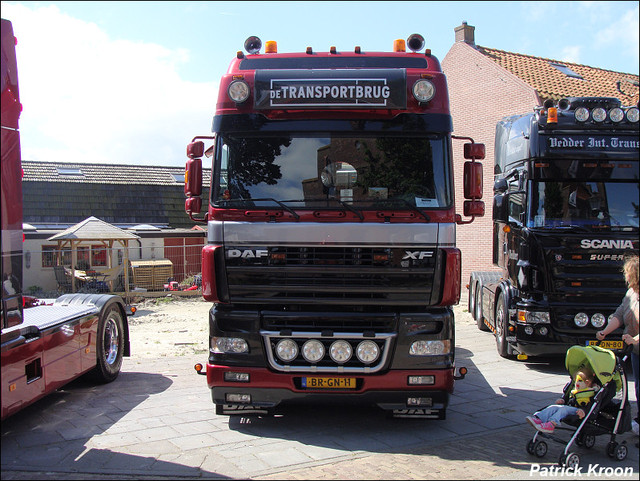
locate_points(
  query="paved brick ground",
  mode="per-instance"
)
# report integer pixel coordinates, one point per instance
(156, 421)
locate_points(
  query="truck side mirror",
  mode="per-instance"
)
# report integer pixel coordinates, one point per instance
(193, 205)
(472, 179)
(474, 151)
(500, 207)
(500, 186)
(473, 208)
(193, 178)
(195, 149)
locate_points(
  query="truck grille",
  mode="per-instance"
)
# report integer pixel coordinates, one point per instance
(334, 275)
(578, 281)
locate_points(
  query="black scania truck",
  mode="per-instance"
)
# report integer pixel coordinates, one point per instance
(565, 214)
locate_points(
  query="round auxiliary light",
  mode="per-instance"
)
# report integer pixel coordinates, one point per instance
(313, 350)
(253, 44)
(340, 351)
(238, 91)
(581, 319)
(415, 42)
(528, 330)
(423, 90)
(616, 114)
(582, 114)
(367, 352)
(599, 114)
(598, 320)
(543, 330)
(287, 350)
(633, 114)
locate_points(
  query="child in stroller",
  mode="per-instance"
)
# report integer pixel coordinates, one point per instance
(581, 396)
(605, 409)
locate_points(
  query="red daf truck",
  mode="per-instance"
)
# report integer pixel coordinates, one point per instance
(331, 257)
(45, 344)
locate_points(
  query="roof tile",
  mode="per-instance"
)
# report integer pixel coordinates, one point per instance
(552, 83)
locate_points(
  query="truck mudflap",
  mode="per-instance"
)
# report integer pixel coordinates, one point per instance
(261, 390)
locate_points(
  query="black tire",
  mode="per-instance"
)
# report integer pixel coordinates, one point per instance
(502, 322)
(478, 306)
(572, 462)
(471, 304)
(109, 345)
(540, 449)
(621, 452)
(589, 441)
(531, 447)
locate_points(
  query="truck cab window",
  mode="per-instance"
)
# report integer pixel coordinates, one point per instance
(586, 204)
(308, 171)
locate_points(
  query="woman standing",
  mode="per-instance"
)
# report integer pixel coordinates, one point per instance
(627, 315)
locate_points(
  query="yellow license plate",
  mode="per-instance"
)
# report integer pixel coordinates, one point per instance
(329, 382)
(607, 344)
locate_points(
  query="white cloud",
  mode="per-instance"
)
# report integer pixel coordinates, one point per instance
(571, 53)
(621, 33)
(90, 98)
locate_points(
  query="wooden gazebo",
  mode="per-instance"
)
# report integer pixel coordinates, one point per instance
(95, 231)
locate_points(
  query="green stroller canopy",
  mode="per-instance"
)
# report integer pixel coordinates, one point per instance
(601, 361)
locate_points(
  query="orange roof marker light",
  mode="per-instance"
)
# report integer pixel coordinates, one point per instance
(399, 45)
(271, 46)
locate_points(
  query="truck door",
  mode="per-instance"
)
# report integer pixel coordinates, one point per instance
(516, 202)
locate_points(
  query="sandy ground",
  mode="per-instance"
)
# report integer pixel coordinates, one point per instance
(170, 326)
(174, 326)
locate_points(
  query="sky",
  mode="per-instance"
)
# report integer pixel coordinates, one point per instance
(133, 82)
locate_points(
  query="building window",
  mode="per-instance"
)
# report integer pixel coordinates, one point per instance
(69, 171)
(98, 256)
(566, 70)
(50, 255)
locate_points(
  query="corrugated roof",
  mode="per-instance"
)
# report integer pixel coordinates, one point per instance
(551, 82)
(86, 173)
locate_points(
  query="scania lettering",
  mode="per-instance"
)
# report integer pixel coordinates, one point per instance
(45, 344)
(331, 257)
(565, 214)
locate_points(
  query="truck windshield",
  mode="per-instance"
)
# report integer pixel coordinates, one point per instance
(585, 204)
(327, 170)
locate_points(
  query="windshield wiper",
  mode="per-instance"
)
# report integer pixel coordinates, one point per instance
(342, 203)
(413, 208)
(269, 199)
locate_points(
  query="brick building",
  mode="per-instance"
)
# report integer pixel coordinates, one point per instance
(486, 85)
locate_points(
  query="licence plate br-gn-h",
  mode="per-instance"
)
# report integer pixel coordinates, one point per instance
(607, 344)
(329, 382)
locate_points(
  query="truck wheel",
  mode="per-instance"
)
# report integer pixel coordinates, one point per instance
(472, 304)
(501, 327)
(478, 305)
(109, 345)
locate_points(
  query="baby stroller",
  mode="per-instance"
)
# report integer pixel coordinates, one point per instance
(609, 412)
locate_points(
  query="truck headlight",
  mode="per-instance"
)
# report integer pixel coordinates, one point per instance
(423, 90)
(287, 350)
(581, 319)
(598, 320)
(533, 317)
(430, 348)
(367, 352)
(238, 91)
(313, 350)
(229, 345)
(340, 351)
